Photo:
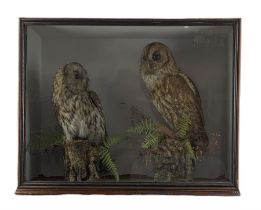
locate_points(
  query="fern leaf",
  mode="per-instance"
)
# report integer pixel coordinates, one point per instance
(108, 162)
(105, 154)
(112, 140)
(46, 140)
(143, 127)
(148, 129)
(183, 126)
(149, 140)
(189, 150)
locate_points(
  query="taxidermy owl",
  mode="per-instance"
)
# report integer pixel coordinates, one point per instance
(173, 93)
(78, 108)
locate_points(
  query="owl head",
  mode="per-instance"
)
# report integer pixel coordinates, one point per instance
(156, 56)
(75, 77)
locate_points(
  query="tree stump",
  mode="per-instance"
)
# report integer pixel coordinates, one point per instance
(81, 161)
(171, 160)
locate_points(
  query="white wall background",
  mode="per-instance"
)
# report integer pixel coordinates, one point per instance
(250, 142)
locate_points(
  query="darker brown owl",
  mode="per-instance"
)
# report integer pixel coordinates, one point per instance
(173, 93)
(78, 108)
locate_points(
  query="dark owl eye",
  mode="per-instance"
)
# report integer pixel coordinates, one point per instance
(156, 56)
(76, 75)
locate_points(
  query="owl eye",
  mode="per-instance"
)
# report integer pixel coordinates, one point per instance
(156, 56)
(76, 75)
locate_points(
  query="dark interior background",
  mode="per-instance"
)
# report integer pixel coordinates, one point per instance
(111, 55)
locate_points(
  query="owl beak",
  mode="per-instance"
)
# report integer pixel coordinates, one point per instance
(150, 65)
(86, 82)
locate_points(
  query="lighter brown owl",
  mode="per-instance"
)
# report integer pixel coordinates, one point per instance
(78, 108)
(173, 93)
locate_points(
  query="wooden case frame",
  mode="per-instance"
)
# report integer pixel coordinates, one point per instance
(39, 188)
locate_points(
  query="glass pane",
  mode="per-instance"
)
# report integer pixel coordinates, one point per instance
(111, 55)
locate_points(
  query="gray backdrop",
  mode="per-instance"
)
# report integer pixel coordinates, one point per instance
(111, 55)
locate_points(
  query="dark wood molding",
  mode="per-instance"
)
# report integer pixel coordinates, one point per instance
(129, 22)
(127, 190)
(51, 188)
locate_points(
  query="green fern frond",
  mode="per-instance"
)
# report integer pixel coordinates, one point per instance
(188, 149)
(112, 140)
(46, 140)
(142, 127)
(149, 140)
(183, 126)
(108, 162)
(149, 130)
(105, 154)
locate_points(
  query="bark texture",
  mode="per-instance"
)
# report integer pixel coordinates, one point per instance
(81, 161)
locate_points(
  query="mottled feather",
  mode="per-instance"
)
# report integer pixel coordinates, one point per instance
(78, 108)
(173, 93)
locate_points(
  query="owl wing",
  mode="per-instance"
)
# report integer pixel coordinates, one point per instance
(193, 87)
(96, 100)
(175, 95)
